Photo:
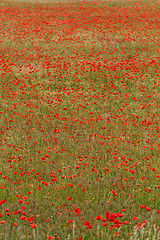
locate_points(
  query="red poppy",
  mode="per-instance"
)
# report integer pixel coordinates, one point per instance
(86, 223)
(98, 218)
(104, 224)
(2, 222)
(148, 209)
(70, 221)
(112, 217)
(89, 226)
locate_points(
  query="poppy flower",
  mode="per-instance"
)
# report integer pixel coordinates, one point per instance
(104, 224)
(70, 221)
(148, 209)
(2, 222)
(89, 226)
(112, 217)
(98, 218)
(86, 223)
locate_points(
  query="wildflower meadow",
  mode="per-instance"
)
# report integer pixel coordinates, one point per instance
(79, 119)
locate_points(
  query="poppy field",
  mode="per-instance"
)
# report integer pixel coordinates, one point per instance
(79, 120)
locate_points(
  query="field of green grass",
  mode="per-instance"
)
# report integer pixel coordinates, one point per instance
(79, 120)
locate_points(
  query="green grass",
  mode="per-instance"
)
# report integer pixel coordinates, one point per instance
(79, 120)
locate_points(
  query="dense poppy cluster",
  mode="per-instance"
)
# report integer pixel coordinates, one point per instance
(79, 119)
